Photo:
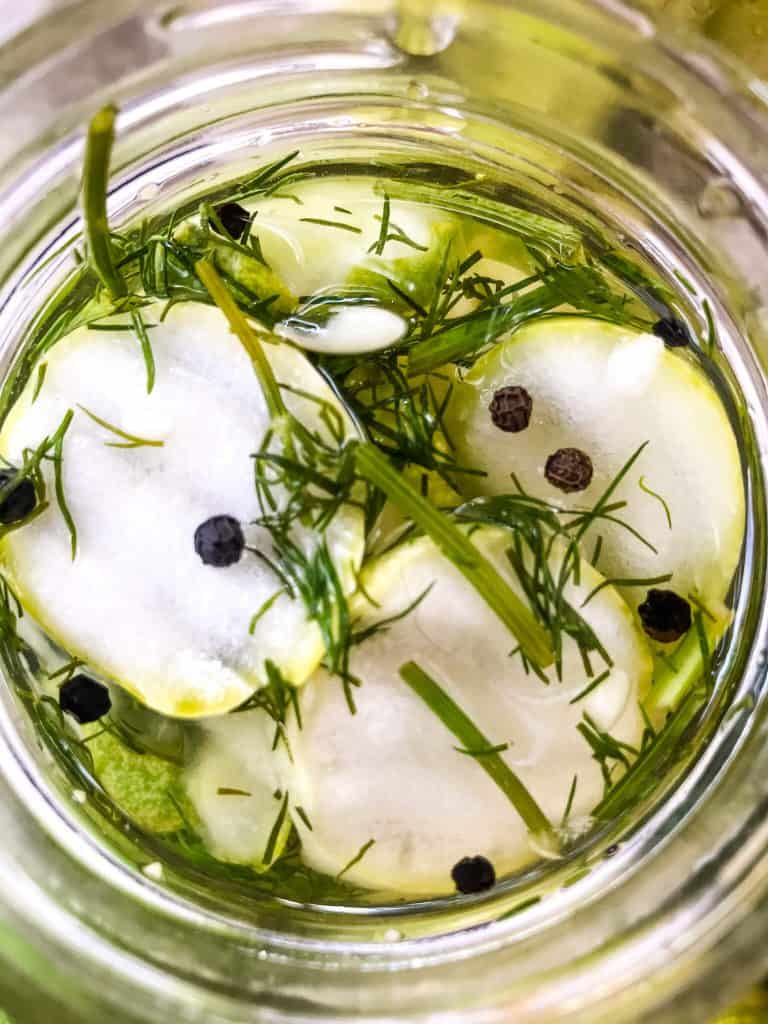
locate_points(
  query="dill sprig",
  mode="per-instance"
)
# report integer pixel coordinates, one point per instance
(50, 449)
(245, 333)
(653, 760)
(550, 238)
(146, 347)
(274, 836)
(302, 480)
(457, 547)
(654, 494)
(332, 224)
(129, 440)
(584, 287)
(265, 181)
(39, 381)
(472, 739)
(98, 150)
(404, 417)
(545, 555)
(677, 673)
(356, 859)
(58, 484)
(611, 754)
(391, 232)
(277, 698)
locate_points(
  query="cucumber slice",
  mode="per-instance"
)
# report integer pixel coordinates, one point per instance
(233, 785)
(314, 246)
(391, 772)
(140, 784)
(607, 391)
(137, 603)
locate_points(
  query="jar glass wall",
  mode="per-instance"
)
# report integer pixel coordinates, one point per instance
(579, 108)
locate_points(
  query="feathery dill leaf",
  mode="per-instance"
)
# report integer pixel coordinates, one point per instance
(356, 859)
(546, 236)
(129, 440)
(456, 546)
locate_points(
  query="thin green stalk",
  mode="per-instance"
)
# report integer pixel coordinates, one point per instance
(456, 546)
(58, 481)
(131, 440)
(274, 836)
(247, 335)
(98, 149)
(146, 347)
(679, 672)
(356, 859)
(462, 340)
(649, 766)
(467, 733)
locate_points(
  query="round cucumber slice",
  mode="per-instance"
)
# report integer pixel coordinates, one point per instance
(137, 603)
(233, 785)
(391, 772)
(606, 391)
(329, 241)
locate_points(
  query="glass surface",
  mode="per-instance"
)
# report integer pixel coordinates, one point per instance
(645, 139)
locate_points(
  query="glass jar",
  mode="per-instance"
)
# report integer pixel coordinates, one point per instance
(642, 134)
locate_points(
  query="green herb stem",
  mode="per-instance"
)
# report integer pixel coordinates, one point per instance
(356, 859)
(98, 149)
(676, 674)
(467, 733)
(647, 769)
(146, 347)
(332, 224)
(274, 836)
(58, 480)
(456, 546)
(466, 337)
(246, 334)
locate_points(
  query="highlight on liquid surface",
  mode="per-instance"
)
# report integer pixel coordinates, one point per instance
(379, 532)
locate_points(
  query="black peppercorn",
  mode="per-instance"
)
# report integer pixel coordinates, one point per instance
(219, 541)
(234, 219)
(510, 409)
(672, 332)
(84, 699)
(665, 615)
(569, 469)
(20, 502)
(474, 874)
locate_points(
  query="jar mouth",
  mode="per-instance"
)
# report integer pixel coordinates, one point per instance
(378, 101)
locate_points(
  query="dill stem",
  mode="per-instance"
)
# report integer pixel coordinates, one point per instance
(247, 335)
(455, 545)
(465, 730)
(98, 149)
(682, 671)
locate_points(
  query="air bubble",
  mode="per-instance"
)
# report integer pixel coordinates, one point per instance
(718, 199)
(420, 31)
(392, 935)
(148, 192)
(417, 90)
(154, 870)
(262, 955)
